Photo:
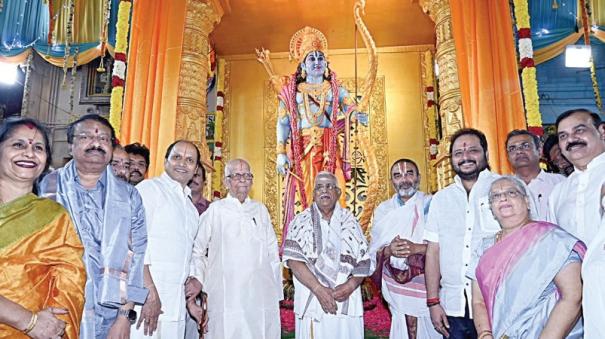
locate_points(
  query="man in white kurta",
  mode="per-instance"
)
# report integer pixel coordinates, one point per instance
(397, 231)
(172, 224)
(575, 205)
(524, 149)
(328, 255)
(242, 272)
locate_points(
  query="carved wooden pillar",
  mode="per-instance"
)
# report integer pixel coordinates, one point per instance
(450, 101)
(192, 106)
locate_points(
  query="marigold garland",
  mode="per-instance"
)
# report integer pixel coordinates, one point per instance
(119, 67)
(528, 68)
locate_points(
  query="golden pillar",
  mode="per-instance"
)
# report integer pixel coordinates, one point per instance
(450, 101)
(192, 106)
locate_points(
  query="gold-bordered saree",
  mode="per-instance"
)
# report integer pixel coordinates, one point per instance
(41, 260)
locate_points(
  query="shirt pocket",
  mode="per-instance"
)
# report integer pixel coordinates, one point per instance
(487, 222)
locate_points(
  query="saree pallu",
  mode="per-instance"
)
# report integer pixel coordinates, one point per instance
(516, 278)
(41, 261)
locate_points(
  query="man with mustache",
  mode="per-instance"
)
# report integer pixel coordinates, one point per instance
(577, 205)
(459, 217)
(110, 220)
(328, 254)
(554, 159)
(120, 163)
(523, 149)
(397, 252)
(172, 225)
(139, 161)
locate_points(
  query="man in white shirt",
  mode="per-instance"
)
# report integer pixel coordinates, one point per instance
(172, 225)
(397, 251)
(459, 217)
(242, 272)
(328, 255)
(575, 205)
(524, 149)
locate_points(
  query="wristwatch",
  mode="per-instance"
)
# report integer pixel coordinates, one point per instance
(131, 315)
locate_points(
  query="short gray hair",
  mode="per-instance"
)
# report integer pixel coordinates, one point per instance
(514, 180)
(231, 164)
(326, 174)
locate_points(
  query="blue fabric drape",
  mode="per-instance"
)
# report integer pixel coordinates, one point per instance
(550, 25)
(24, 24)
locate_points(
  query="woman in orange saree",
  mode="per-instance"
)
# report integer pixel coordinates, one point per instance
(41, 270)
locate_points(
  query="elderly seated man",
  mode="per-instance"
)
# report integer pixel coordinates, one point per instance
(328, 254)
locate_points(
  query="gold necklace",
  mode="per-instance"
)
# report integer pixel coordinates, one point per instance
(499, 236)
(319, 93)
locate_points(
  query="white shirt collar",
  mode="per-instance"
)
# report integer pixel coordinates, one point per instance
(230, 197)
(175, 184)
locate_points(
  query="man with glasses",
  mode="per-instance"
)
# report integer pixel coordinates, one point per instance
(241, 273)
(172, 225)
(110, 220)
(328, 254)
(524, 149)
(120, 163)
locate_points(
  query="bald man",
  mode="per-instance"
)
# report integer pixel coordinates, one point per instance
(328, 255)
(241, 273)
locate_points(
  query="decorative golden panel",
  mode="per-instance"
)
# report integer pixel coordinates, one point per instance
(191, 106)
(366, 189)
(450, 102)
(226, 110)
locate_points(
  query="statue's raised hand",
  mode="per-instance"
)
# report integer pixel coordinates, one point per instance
(363, 118)
(283, 163)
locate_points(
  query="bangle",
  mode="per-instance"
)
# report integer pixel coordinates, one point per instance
(281, 148)
(432, 301)
(484, 333)
(32, 323)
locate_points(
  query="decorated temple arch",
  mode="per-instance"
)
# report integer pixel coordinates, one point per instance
(188, 69)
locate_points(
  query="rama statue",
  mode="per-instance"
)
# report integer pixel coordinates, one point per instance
(314, 119)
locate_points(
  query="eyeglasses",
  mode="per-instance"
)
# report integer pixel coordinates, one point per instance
(510, 194)
(327, 187)
(520, 147)
(240, 176)
(85, 138)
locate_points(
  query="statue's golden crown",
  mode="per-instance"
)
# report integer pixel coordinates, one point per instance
(307, 40)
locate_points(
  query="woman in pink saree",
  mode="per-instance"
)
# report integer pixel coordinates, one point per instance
(526, 278)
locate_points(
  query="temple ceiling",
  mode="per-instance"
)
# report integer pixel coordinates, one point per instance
(249, 24)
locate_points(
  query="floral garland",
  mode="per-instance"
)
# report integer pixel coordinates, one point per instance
(118, 76)
(71, 8)
(432, 112)
(586, 13)
(218, 146)
(528, 68)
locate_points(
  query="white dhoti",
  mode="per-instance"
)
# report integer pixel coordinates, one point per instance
(392, 219)
(330, 327)
(165, 330)
(334, 250)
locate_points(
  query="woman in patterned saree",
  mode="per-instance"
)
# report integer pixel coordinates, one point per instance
(527, 278)
(41, 271)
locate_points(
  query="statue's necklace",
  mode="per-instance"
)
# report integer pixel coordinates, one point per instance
(318, 92)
